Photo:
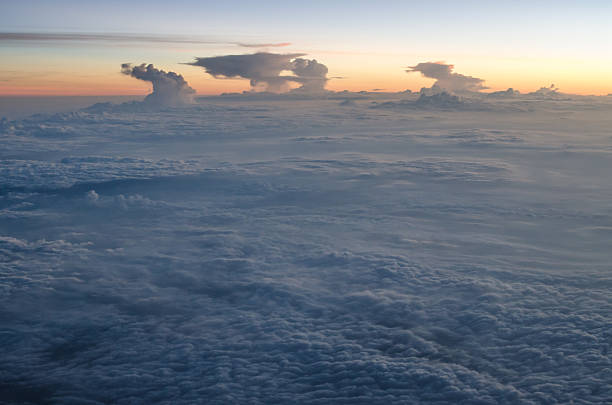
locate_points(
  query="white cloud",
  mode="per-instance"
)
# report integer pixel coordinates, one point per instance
(169, 89)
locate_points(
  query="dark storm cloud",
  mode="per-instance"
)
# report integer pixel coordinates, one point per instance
(264, 70)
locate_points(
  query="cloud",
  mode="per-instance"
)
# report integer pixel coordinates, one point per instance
(435, 98)
(265, 45)
(312, 74)
(439, 100)
(169, 89)
(124, 38)
(257, 251)
(446, 79)
(546, 92)
(510, 92)
(264, 70)
(71, 171)
(348, 103)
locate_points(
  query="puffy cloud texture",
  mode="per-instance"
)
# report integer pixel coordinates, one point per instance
(264, 70)
(446, 79)
(169, 89)
(271, 251)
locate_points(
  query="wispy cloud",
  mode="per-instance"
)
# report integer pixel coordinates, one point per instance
(124, 38)
(269, 45)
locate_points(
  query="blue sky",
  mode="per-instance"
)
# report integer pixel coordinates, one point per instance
(511, 43)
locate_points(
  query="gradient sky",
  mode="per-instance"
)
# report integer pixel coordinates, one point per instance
(520, 44)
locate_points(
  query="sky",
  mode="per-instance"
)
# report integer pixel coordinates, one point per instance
(365, 45)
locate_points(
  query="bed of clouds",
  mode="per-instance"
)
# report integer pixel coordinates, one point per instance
(248, 249)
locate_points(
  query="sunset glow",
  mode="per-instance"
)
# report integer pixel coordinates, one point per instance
(522, 46)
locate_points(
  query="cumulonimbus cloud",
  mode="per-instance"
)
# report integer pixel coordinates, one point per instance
(309, 72)
(264, 70)
(446, 79)
(169, 89)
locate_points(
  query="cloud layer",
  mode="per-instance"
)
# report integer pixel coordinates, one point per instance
(263, 250)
